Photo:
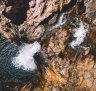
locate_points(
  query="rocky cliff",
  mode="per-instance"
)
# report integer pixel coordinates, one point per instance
(66, 32)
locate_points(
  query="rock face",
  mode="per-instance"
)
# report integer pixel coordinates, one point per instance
(90, 8)
(52, 23)
(44, 8)
(35, 12)
(38, 10)
(42, 12)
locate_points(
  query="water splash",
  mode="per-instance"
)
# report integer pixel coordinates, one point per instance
(61, 21)
(24, 58)
(79, 35)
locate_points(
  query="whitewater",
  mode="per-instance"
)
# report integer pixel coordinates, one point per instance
(25, 56)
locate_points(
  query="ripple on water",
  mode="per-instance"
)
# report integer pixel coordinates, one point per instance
(7, 70)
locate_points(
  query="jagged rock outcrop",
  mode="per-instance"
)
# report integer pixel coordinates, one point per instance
(35, 12)
(67, 68)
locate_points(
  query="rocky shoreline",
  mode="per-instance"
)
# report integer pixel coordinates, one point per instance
(52, 24)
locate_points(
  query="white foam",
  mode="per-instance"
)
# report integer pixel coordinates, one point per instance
(24, 58)
(61, 21)
(79, 34)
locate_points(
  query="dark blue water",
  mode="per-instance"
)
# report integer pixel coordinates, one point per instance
(7, 71)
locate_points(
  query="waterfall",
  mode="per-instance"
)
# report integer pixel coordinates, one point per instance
(24, 58)
(79, 33)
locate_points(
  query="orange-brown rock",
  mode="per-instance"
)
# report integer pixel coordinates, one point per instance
(53, 76)
(44, 8)
(91, 36)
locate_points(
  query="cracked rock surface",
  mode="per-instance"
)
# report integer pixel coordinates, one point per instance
(67, 69)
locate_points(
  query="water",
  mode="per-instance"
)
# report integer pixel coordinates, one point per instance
(24, 58)
(79, 33)
(17, 64)
(61, 22)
